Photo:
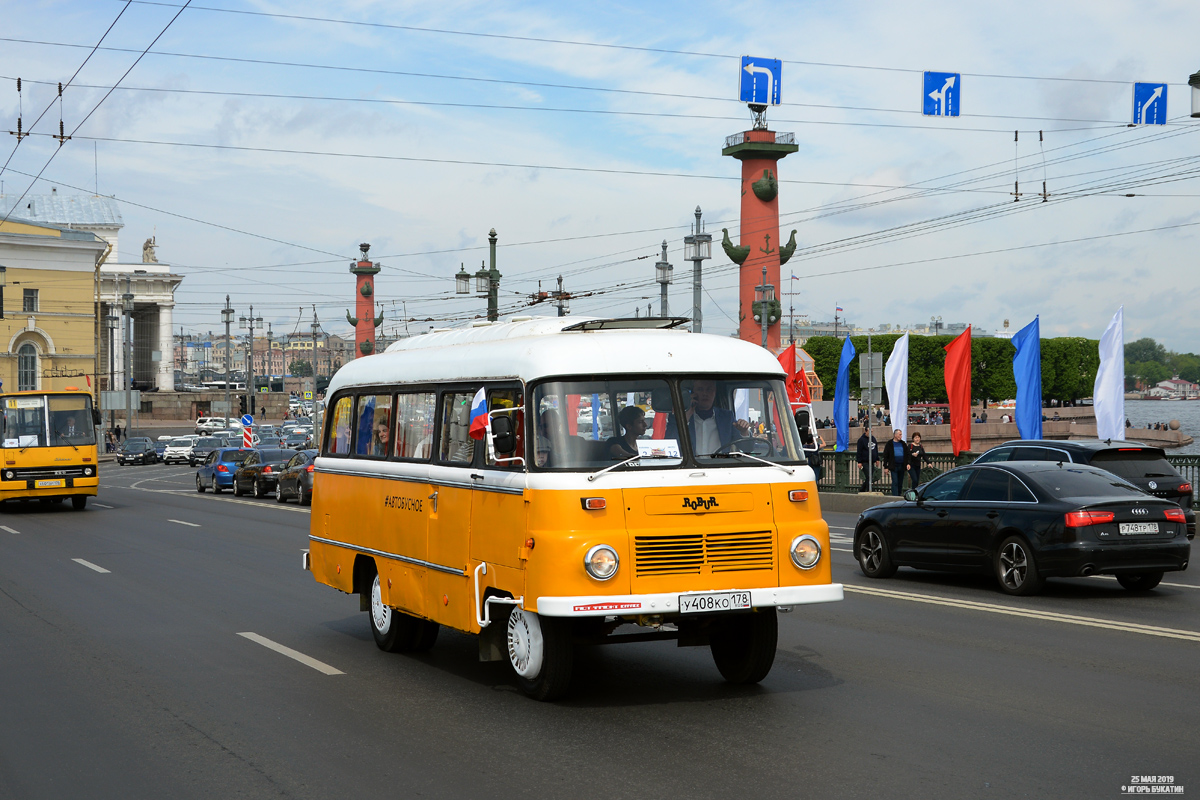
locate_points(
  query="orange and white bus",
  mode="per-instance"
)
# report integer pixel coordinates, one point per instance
(632, 482)
(49, 446)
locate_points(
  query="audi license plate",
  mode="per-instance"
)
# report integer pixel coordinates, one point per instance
(48, 484)
(713, 601)
(1139, 527)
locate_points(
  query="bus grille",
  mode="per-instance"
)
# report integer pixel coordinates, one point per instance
(694, 554)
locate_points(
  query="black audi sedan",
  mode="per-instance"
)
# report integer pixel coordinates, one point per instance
(1144, 466)
(1025, 521)
(260, 471)
(296, 480)
(137, 451)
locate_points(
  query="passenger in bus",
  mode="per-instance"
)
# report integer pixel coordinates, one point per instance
(379, 442)
(633, 422)
(549, 427)
(710, 428)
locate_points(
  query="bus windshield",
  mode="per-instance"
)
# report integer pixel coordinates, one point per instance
(720, 420)
(53, 421)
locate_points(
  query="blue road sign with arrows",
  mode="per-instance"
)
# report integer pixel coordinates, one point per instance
(941, 94)
(760, 78)
(247, 420)
(1149, 104)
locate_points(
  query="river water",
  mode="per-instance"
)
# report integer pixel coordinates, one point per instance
(1143, 412)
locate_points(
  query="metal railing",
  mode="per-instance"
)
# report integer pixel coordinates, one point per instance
(840, 472)
(740, 138)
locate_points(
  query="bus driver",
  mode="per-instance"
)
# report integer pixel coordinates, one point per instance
(710, 428)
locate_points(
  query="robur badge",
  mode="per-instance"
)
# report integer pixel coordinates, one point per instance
(700, 502)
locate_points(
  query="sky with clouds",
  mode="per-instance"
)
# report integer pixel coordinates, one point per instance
(261, 148)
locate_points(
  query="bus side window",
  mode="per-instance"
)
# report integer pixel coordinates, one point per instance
(456, 445)
(499, 400)
(339, 427)
(374, 425)
(414, 424)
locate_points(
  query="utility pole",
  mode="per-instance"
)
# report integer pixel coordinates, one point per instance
(696, 248)
(110, 322)
(227, 318)
(127, 308)
(244, 323)
(662, 274)
(316, 330)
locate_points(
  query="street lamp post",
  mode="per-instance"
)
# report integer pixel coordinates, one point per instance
(936, 322)
(487, 281)
(696, 248)
(765, 294)
(3, 280)
(110, 322)
(227, 318)
(127, 357)
(248, 323)
(316, 330)
(662, 274)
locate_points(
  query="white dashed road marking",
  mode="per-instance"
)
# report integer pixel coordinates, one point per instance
(308, 661)
(89, 565)
(181, 522)
(1030, 613)
(100, 505)
(10, 530)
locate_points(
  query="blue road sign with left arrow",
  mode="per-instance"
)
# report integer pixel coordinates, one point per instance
(941, 94)
(247, 420)
(760, 78)
(1149, 104)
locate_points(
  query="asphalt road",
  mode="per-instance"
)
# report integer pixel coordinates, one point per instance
(156, 677)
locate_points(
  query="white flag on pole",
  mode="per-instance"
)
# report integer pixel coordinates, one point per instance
(895, 377)
(1108, 395)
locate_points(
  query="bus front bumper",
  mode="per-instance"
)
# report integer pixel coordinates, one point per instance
(668, 603)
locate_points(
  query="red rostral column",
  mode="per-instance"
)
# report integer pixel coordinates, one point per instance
(759, 150)
(365, 322)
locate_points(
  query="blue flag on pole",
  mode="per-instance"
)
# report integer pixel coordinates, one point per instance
(841, 397)
(1027, 370)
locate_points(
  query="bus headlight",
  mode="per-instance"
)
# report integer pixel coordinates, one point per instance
(806, 551)
(88, 472)
(8, 475)
(601, 562)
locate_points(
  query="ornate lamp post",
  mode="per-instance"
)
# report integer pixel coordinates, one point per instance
(487, 281)
(764, 299)
(662, 274)
(696, 248)
(462, 281)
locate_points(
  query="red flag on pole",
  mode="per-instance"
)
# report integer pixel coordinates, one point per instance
(802, 383)
(958, 390)
(796, 381)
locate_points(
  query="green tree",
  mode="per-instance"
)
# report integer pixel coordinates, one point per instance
(1145, 350)
(300, 369)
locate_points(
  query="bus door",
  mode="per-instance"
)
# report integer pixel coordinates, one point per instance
(448, 580)
(498, 519)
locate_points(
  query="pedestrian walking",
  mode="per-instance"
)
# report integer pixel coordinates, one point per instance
(895, 460)
(867, 456)
(916, 460)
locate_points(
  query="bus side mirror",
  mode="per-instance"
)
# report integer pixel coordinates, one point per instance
(503, 439)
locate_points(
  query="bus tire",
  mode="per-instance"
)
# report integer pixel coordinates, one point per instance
(79, 502)
(392, 630)
(743, 645)
(540, 653)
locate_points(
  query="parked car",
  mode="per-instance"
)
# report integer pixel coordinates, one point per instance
(1145, 466)
(217, 471)
(260, 471)
(204, 445)
(296, 480)
(136, 451)
(179, 450)
(1024, 521)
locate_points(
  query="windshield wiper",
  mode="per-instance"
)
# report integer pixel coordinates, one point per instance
(739, 454)
(595, 475)
(60, 437)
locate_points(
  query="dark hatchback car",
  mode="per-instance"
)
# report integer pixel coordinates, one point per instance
(260, 471)
(204, 445)
(1144, 466)
(136, 451)
(296, 480)
(1024, 521)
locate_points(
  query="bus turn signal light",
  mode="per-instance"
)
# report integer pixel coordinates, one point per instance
(798, 495)
(1082, 519)
(594, 503)
(1174, 515)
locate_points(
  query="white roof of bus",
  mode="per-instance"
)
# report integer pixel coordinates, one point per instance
(538, 348)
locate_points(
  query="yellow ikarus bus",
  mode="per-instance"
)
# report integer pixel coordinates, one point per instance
(49, 446)
(546, 482)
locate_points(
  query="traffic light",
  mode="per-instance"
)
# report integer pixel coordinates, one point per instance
(242, 404)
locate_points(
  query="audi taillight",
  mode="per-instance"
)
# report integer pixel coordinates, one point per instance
(1174, 515)
(1082, 519)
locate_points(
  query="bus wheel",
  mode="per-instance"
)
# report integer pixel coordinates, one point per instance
(540, 652)
(79, 502)
(743, 645)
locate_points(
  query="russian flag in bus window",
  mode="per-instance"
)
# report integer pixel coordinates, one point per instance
(478, 426)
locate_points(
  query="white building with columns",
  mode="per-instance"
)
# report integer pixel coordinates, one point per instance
(152, 284)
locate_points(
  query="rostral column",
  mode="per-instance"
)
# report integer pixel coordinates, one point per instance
(759, 150)
(365, 322)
